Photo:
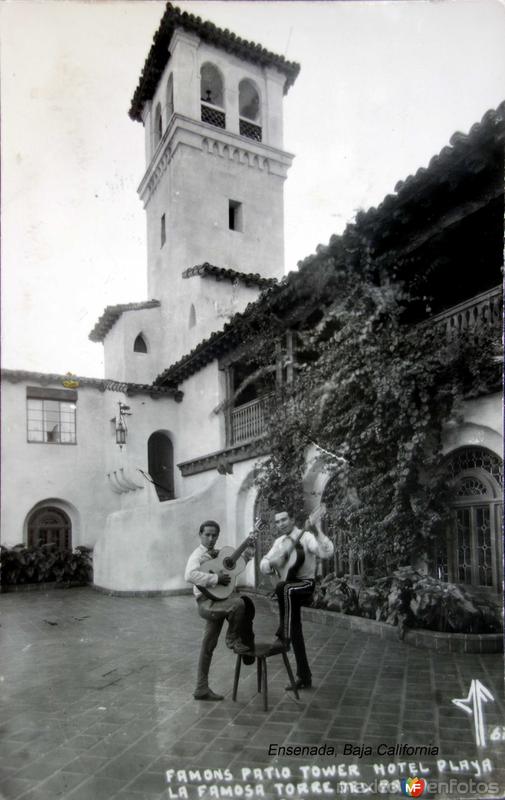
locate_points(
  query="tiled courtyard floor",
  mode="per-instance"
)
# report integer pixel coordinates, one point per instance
(96, 703)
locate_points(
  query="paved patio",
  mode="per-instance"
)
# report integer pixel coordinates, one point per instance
(96, 697)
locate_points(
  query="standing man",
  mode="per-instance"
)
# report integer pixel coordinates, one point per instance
(239, 611)
(296, 588)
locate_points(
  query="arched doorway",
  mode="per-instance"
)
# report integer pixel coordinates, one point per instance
(50, 525)
(160, 459)
(472, 551)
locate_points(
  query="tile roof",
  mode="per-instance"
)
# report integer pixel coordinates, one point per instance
(222, 273)
(463, 156)
(159, 53)
(471, 153)
(102, 384)
(112, 313)
(215, 345)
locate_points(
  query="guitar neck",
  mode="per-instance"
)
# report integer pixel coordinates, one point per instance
(240, 549)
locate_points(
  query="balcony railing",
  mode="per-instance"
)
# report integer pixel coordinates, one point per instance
(250, 130)
(213, 116)
(248, 422)
(484, 311)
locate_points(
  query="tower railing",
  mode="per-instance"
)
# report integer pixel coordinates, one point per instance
(250, 129)
(212, 115)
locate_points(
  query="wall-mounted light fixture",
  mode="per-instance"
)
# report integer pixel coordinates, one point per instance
(121, 427)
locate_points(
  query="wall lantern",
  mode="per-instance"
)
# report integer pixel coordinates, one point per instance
(121, 427)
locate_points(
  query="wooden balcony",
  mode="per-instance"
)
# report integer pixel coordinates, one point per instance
(484, 311)
(248, 422)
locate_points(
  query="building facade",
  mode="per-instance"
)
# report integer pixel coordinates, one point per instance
(175, 373)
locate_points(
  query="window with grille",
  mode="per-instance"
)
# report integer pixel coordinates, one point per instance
(212, 96)
(51, 415)
(50, 525)
(471, 552)
(345, 560)
(249, 110)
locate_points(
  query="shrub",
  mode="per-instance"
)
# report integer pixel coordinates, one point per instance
(336, 594)
(409, 598)
(45, 563)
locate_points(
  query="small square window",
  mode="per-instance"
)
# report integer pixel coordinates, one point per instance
(163, 230)
(235, 216)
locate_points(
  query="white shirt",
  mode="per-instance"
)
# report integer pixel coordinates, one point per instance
(312, 547)
(194, 575)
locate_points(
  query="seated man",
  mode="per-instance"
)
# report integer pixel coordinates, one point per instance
(239, 611)
(297, 586)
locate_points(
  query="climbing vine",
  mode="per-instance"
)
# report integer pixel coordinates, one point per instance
(371, 397)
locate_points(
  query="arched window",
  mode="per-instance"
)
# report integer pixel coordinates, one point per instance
(158, 125)
(192, 316)
(170, 98)
(160, 460)
(212, 96)
(471, 552)
(249, 109)
(139, 345)
(50, 525)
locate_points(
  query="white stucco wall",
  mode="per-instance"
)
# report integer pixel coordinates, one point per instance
(192, 175)
(146, 549)
(193, 194)
(73, 477)
(482, 425)
(68, 476)
(201, 428)
(121, 363)
(188, 54)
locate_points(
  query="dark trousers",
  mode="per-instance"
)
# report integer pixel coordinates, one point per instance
(239, 611)
(292, 595)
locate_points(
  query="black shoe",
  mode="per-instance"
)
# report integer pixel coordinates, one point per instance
(299, 684)
(208, 695)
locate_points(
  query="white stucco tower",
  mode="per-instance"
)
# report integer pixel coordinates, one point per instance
(211, 106)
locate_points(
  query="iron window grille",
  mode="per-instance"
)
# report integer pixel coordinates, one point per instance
(213, 116)
(250, 130)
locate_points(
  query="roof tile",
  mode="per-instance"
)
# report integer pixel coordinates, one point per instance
(112, 313)
(159, 53)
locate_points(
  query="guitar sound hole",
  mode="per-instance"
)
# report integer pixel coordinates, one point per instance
(228, 563)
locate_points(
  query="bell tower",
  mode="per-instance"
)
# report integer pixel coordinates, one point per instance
(211, 107)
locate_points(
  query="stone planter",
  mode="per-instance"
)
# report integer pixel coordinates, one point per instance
(40, 587)
(435, 640)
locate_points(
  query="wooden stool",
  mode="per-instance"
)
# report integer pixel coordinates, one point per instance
(262, 651)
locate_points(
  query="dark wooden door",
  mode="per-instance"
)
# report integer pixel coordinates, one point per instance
(160, 459)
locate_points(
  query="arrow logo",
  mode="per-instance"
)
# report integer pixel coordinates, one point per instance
(473, 704)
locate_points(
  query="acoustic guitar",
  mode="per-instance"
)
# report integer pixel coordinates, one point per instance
(230, 561)
(292, 555)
